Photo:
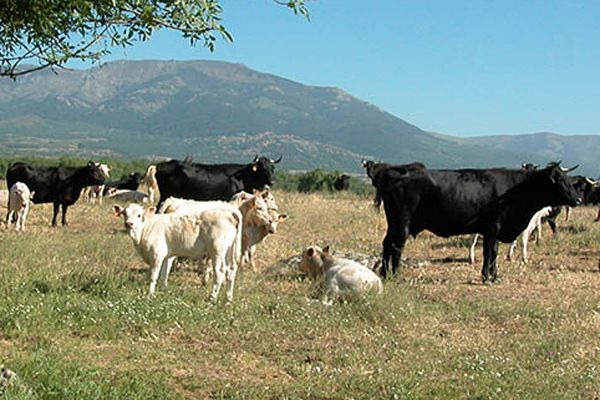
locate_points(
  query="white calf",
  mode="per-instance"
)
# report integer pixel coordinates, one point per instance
(338, 278)
(18, 204)
(126, 195)
(159, 238)
(534, 223)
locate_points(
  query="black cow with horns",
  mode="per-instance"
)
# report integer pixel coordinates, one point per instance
(59, 185)
(497, 203)
(188, 180)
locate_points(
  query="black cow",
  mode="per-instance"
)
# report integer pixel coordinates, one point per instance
(59, 185)
(341, 182)
(195, 181)
(442, 201)
(130, 182)
(504, 218)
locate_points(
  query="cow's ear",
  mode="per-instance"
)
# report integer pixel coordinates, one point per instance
(310, 251)
(118, 210)
(91, 162)
(326, 249)
(282, 217)
(150, 211)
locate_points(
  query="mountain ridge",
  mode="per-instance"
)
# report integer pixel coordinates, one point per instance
(137, 108)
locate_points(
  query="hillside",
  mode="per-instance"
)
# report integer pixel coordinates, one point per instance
(220, 111)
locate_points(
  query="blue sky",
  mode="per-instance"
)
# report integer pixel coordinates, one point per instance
(457, 67)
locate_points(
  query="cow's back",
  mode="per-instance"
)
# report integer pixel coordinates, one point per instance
(462, 193)
(197, 181)
(41, 180)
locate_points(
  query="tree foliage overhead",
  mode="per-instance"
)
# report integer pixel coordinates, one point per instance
(36, 34)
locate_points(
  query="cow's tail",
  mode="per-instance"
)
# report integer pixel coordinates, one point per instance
(236, 249)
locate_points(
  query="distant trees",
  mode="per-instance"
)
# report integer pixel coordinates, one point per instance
(39, 34)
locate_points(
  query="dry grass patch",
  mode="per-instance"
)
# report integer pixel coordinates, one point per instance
(75, 321)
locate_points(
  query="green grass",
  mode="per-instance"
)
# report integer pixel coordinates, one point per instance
(75, 322)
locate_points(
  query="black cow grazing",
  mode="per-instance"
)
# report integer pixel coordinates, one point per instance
(59, 185)
(194, 181)
(341, 182)
(441, 201)
(129, 182)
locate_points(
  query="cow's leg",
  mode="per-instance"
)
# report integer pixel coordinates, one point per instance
(24, 217)
(230, 276)
(511, 250)
(205, 268)
(490, 255)
(474, 238)
(55, 213)
(154, 271)
(552, 224)
(388, 245)
(19, 223)
(393, 244)
(218, 264)
(399, 239)
(9, 217)
(64, 214)
(164, 272)
(525, 241)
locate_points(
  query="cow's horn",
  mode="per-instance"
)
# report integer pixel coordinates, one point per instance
(569, 169)
(590, 181)
(276, 161)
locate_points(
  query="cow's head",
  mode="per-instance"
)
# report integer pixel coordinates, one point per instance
(312, 263)
(268, 197)
(258, 173)
(134, 216)
(256, 212)
(529, 166)
(560, 185)
(96, 173)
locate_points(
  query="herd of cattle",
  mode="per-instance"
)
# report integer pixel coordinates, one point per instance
(217, 214)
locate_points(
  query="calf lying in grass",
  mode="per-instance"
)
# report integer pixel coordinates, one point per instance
(337, 278)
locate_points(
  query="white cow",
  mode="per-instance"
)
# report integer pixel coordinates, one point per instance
(18, 205)
(337, 278)
(159, 238)
(535, 223)
(126, 195)
(259, 219)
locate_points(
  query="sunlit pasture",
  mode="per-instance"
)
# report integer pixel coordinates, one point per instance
(75, 320)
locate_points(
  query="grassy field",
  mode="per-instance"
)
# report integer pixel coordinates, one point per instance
(75, 322)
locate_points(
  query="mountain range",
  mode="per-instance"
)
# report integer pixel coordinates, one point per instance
(220, 112)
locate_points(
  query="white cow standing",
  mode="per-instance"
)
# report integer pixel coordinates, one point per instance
(18, 204)
(159, 238)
